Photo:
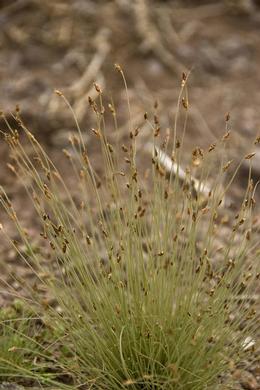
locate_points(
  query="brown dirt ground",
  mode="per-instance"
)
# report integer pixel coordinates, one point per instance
(70, 44)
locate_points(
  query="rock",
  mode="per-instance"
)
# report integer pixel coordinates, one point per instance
(248, 381)
(10, 386)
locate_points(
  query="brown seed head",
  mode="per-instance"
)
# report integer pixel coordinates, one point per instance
(58, 92)
(98, 88)
(227, 165)
(249, 156)
(257, 140)
(227, 117)
(185, 103)
(212, 147)
(118, 68)
(112, 109)
(226, 135)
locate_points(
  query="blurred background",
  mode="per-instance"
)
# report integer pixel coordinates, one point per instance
(70, 44)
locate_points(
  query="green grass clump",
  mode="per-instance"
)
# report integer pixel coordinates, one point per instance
(147, 298)
(13, 344)
(27, 346)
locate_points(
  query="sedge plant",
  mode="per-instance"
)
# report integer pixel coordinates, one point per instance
(147, 298)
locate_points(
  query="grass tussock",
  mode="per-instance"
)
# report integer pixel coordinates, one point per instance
(146, 297)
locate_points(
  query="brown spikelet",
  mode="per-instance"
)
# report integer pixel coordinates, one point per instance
(226, 135)
(97, 88)
(90, 101)
(64, 247)
(110, 148)
(58, 92)
(160, 170)
(177, 144)
(184, 79)
(111, 109)
(185, 103)
(96, 132)
(142, 212)
(227, 165)
(46, 191)
(257, 140)
(157, 131)
(249, 156)
(134, 176)
(212, 147)
(118, 68)
(12, 168)
(66, 153)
